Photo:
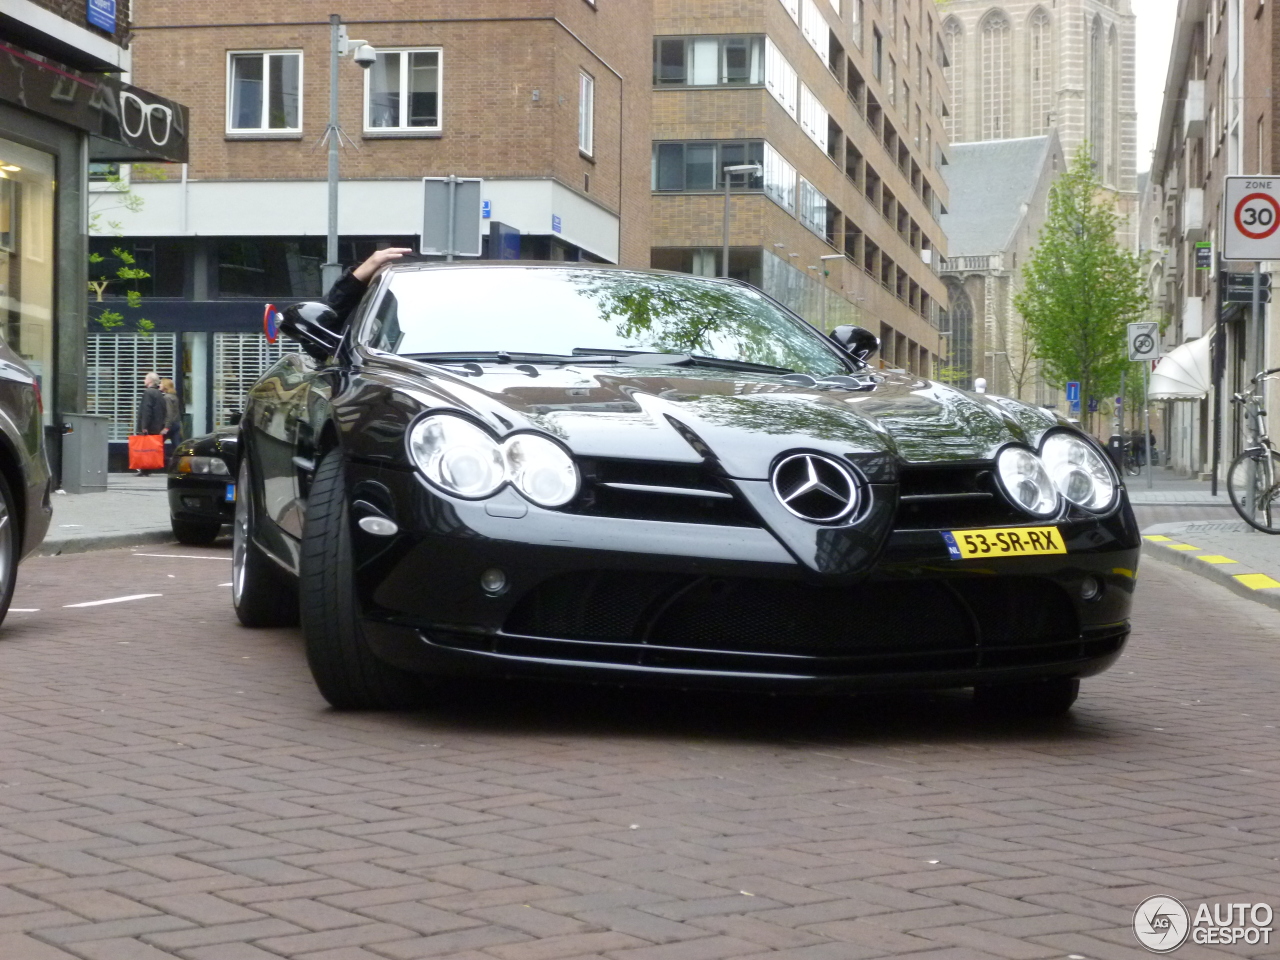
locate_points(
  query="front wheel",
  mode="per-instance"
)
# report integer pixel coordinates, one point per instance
(10, 538)
(1037, 699)
(1253, 483)
(261, 591)
(349, 674)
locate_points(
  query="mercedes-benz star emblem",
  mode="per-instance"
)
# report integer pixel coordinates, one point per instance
(816, 488)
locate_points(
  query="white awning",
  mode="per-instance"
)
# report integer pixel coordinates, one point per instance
(1182, 373)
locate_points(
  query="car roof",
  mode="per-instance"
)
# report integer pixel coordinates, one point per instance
(415, 266)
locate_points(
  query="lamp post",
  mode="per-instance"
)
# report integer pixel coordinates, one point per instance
(364, 54)
(729, 171)
(824, 259)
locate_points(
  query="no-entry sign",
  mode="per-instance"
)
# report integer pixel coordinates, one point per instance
(1252, 212)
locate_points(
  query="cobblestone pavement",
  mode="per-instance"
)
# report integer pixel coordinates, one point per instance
(172, 785)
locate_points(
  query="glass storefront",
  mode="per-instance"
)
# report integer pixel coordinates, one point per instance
(27, 257)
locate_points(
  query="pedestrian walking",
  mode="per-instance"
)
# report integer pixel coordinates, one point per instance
(172, 417)
(151, 410)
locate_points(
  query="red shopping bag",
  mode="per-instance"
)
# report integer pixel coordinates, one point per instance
(146, 452)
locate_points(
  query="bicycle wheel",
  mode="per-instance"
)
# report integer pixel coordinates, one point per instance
(1131, 466)
(1253, 483)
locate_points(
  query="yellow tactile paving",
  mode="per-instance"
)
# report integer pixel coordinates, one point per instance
(1257, 581)
(1156, 538)
(1182, 546)
(1217, 558)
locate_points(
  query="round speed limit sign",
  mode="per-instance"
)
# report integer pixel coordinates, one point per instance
(1258, 216)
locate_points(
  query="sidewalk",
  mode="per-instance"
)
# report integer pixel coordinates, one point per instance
(1183, 523)
(134, 510)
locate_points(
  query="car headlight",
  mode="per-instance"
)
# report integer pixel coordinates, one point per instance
(540, 470)
(213, 466)
(1026, 481)
(458, 456)
(1080, 472)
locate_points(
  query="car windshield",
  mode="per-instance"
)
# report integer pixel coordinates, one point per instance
(548, 312)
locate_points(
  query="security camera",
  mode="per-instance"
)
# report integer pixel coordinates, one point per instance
(365, 55)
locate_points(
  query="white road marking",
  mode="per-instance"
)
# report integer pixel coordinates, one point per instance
(98, 603)
(225, 584)
(179, 556)
(24, 609)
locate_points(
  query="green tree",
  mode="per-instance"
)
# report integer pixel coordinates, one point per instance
(1080, 287)
(122, 277)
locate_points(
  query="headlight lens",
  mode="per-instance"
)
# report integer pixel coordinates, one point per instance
(1079, 471)
(1026, 481)
(213, 466)
(541, 470)
(458, 456)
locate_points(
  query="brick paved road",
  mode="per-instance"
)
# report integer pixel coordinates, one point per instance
(172, 785)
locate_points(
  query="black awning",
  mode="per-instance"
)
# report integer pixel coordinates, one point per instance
(125, 123)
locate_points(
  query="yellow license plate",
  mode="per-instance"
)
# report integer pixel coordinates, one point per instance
(1008, 542)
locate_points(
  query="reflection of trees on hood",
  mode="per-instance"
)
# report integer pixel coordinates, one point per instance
(788, 415)
(673, 315)
(937, 423)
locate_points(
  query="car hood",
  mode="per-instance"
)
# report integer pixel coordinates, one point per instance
(742, 420)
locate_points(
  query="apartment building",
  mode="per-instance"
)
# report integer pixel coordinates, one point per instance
(1218, 119)
(62, 101)
(1021, 68)
(839, 105)
(546, 100)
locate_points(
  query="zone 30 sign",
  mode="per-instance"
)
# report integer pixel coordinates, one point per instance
(1252, 213)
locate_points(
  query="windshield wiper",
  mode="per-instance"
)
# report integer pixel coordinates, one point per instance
(504, 356)
(684, 359)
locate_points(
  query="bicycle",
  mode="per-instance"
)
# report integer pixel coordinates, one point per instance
(1132, 458)
(1253, 482)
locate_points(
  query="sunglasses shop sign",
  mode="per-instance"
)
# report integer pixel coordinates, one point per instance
(125, 123)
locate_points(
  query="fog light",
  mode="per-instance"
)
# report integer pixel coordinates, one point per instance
(1090, 589)
(378, 526)
(493, 581)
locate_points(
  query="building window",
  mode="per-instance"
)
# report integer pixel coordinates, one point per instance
(698, 165)
(816, 31)
(1041, 70)
(811, 207)
(1113, 109)
(264, 92)
(953, 46)
(779, 179)
(586, 114)
(855, 20)
(997, 74)
(402, 92)
(780, 78)
(877, 53)
(813, 117)
(708, 61)
(1097, 93)
(793, 8)
(891, 82)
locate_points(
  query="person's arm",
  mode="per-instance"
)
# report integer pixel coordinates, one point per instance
(344, 296)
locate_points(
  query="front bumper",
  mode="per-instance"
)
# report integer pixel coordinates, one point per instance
(201, 499)
(634, 601)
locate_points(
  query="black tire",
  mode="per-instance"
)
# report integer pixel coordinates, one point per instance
(1266, 486)
(350, 676)
(263, 594)
(10, 546)
(195, 533)
(1132, 467)
(1037, 699)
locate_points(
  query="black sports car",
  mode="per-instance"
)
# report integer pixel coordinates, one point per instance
(25, 481)
(202, 488)
(590, 472)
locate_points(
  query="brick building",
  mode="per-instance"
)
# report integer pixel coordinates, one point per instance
(840, 104)
(1218, 119)
(62, 101)
(546, 100)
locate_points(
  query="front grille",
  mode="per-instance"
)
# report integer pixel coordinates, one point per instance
(651, 490)
(739, 625)
(952, 497)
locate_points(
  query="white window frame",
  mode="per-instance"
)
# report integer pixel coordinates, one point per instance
(813, 117)
(586, 113)
(402, 131)
(816, 31)
(266, 94)
(780, 78)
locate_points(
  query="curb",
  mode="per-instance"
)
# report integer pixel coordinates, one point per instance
(110, 541)
(1270, 596)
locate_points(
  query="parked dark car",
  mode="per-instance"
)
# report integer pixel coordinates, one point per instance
(202, 487)
(626, 476)
(25, 480)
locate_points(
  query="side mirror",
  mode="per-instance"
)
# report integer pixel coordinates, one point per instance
(859, 343)
(313, 325)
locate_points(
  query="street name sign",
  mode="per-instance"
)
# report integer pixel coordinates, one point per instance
(1239, 288)
(1251, 209)
(1144, 341)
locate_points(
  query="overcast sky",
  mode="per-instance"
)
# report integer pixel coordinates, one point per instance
(1154, 30)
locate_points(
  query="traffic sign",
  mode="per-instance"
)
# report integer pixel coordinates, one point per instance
(1073, 391)
(1144, 340)
(1239, 288)
(1252, 214)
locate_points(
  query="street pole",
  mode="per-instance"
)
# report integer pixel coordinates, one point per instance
(332, 269)
(1219, 365)
(724, 258)
(1146, 422)
(452, 181)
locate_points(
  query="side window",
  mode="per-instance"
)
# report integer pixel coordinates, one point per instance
(586, 114)
(402, 92)
(264, 92)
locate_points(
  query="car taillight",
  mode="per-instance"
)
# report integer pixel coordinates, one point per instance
(35, 385)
